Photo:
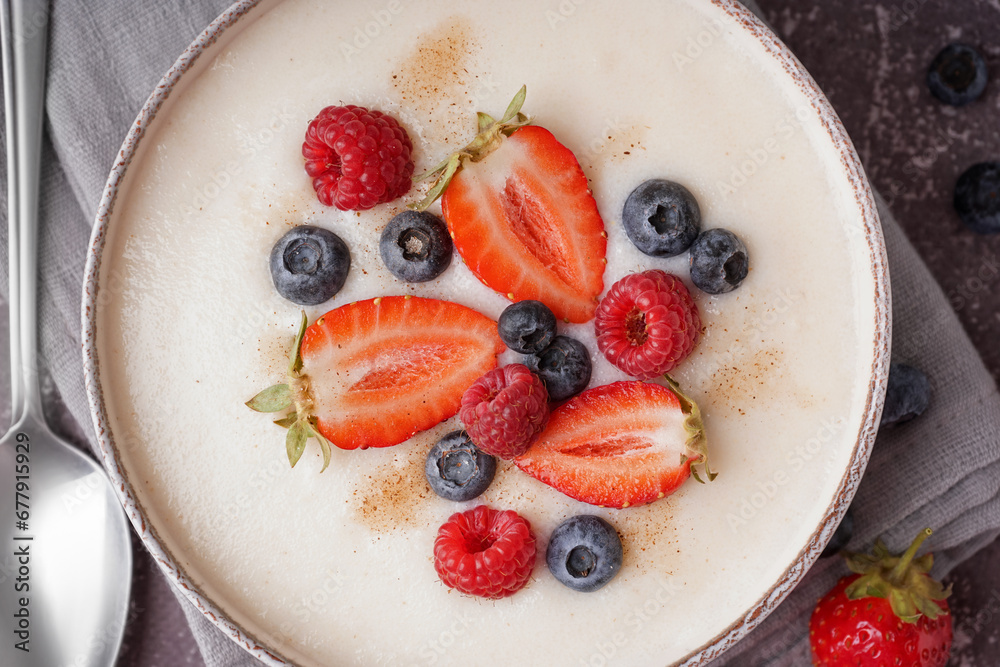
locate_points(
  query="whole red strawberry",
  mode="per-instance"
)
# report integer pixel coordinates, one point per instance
(357, 157)
(647, 323)
(485, 552)
(505, 410)
(890, 612)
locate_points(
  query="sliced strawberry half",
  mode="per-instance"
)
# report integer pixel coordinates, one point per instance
(618, 445)
(522, 216)
(380, 370)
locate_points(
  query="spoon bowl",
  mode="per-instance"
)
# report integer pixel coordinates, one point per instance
(66, 570)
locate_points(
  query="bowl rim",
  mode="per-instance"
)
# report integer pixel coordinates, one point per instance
(723, 641)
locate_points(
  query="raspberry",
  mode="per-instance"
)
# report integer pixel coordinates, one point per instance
(357, 158)
(485, 552)
(505, 410)
(647, 323)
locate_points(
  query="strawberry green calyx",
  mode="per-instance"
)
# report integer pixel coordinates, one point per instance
(697, 442)
(491, 134)
(294, 394)
(903, 580)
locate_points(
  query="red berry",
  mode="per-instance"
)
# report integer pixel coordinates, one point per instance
(890, 612)
(485, 552)
(866, 632)
(505, 410)
(357, 157)
(647, 324)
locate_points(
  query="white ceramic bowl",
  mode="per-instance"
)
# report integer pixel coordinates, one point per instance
(198, 56)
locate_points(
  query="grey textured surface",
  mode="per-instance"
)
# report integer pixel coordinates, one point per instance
(869, 58)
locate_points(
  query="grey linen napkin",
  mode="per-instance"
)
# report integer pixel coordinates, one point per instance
(942, 470)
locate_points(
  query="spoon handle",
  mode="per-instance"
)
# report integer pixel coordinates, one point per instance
(25, 41)
(13, 280)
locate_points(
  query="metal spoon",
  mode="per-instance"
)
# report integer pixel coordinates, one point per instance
(65, 553)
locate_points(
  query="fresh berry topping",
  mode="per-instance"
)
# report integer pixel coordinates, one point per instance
(617, 445)
(584, 553)
(375, 372)
(661, 218)
(841, 536)
(522, 216)
(309, 265)
(957, 75)
(357, 158)
(977, 197)
(415, 246)
(719, 261)
(485, 552)
(907, 394)
(458, 470)
(564, 367)
(647, 323)
(527, 326)
(505, 410)
(889, 613)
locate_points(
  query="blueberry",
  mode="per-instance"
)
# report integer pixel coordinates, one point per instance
(584, 553)
(977, 197)
(564, 367)
(957, 75)
(719, 261)
(415, 246)
(661, 218)
(841, 536)
(309, 265)
(906, 396)
(456, 469)
(527, 326)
